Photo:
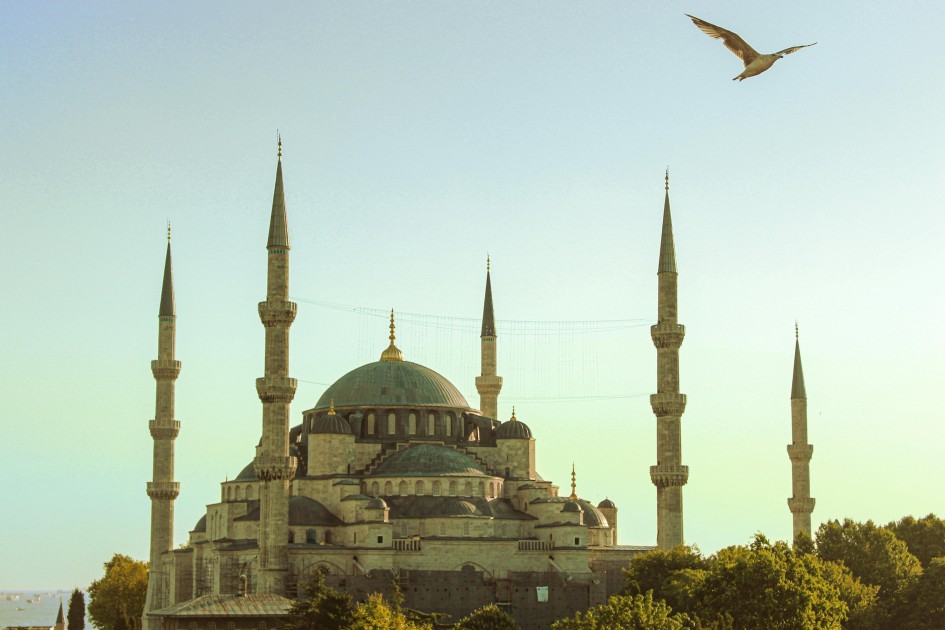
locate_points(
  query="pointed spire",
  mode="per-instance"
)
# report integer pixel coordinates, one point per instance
(667, 247)
(797, 385)
(60, 618)
(488, 315)
(513, 418)
(573, 483)
(278, 227)
(167, 289)
(392, 353)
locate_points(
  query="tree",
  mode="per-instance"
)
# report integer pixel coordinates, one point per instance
(925, 537)
(921, 605)
(873, 554)
(116, 601)
(375, 614)
(626, 612)
(769, 586)
(671, 575)
(321, 608)
(489, 617)
(76, 615)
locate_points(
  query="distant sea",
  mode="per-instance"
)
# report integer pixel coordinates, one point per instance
(19, 613)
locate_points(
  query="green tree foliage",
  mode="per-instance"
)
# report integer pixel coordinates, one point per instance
(375, 614)
(924, 537)
(921, 605)
(769, 586)
(626, 612)
(873, 554)
(116, 601)
(321, 608)
(76, 615)
(489, 617)
(671, 575)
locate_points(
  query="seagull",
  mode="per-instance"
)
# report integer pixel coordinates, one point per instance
(755, 63)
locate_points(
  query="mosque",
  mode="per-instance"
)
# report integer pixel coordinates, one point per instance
(393, 480)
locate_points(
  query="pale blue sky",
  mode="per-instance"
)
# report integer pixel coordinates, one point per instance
(419, 136)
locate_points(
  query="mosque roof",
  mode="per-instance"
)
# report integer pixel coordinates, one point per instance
(606, 503)
(430, 506)
(331, 423)
(228, 606)
(513, 429)
(247, 474)
(201, 525)
(423, 460)
(302, 511)
(392, 383)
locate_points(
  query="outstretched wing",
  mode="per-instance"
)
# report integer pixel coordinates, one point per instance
(732, 41)
(788, 51)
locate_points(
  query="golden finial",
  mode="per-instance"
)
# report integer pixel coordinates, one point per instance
(667, 179)
(488, 263)
(573, 483)
(331, 407)
(168, 230)
(513, 418)
(392, 353)
(797, 334)
(279, 139)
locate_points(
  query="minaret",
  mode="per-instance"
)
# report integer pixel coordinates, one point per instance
(164, 429)
(273, 464)
(60, 618)
(669, 475)
(489, 385)
(800, 452)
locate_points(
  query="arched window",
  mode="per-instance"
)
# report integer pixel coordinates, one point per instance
(239, 494)
(436, 488)
(403, 488)
(375, 488)
(452, 488)
(249, 493)
(431, 424)
(388, 488)
(391, 424)
(482, 489)
(229, 493)
(371, 424)
(291, 536)
(449, 425)
(468, 489)
(418, 488)
(466, 528)
(491, 489)
(310, 536)
(412, 424)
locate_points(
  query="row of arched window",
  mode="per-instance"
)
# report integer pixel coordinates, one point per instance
(436, 488)
(414, 425)
(238, 493)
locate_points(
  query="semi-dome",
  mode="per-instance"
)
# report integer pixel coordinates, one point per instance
(572, 506)
(332, 423)
(376, 503)
(248, 473)
(201, 525)
(607, 503)
(392, 383)
(302, 511)
(424, 460)
(592, 516)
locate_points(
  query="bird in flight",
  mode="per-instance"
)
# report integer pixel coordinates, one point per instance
(755, 62)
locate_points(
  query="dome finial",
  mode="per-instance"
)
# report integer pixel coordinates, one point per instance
(797, 334)
(513, 418)
(392, 353)
(331, 407)
(168, 230)
(667, 179)
(573, 483)
(488, 263)
(279, 142)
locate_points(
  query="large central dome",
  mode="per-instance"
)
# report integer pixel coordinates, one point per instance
(392, 384)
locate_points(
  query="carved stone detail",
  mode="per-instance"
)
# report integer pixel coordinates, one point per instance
(669, 475)
(279, 389)
(277, 312)
(270, 468)
(667, 335)
(668, 404)
(165, 370)
(167, 490)
(800, 505)
(800, 452)
(164, 430)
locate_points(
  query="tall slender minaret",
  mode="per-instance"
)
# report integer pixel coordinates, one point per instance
(669, 475)
(489, 385)
(273, 464)
(799, 451)
(164, 429)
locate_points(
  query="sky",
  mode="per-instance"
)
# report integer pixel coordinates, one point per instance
(418, 138)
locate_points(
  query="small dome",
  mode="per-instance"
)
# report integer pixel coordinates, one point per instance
(201, 525)
(571, 506)
(513, 429)
(248, 473)
(529, 486)
(592, 516)
(423, 460)
(607, 503)
(356, 497)
(331, 423)
(376, 503)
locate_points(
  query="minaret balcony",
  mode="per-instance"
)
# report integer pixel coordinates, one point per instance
(275, 467)
(668, 404)
(669, 475)
(800, 452)
(801, 505)
(276, 389)
(166, 490)
(273, 313)
(667, 335)
(164, 429)
(165, 370)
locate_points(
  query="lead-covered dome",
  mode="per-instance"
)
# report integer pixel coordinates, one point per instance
(423, 460)
(392, 383)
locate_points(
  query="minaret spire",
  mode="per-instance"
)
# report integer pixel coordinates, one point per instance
(488, 384)
(799, 451)
(573, 483)
(162, 489)
(669, 475)
(273, 464)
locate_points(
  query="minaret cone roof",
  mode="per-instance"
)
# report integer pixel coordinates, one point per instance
(488, 315)
(278, 228)
(60, 618)
(167, 289)
(667, 247)
(797, 386)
